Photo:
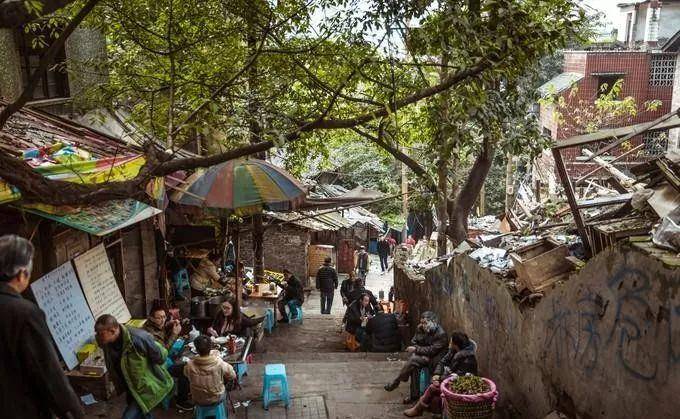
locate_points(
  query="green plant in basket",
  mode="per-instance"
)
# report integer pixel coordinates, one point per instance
(469, 384)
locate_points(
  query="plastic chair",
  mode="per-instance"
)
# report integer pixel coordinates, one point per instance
(295, 313)
(269, 320)
(275, 376)
(216, 410)
(424, 380)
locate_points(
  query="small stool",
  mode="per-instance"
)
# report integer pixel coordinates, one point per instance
(241, 370)
(424, 379)
(269, 320)
(275, 376)
(215, 410)
(295, 313)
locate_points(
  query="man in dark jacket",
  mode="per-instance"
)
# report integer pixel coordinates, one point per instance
(32, 383)
(293, 292)
(360, 290)
(460, 360)
(383, 333)
(363, 263)
(428, 347)
(326, 283)
(383, 252)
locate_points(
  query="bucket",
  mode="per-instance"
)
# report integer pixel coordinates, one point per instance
(214, 305)
(198, 307)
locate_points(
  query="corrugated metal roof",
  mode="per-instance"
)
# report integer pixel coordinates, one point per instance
(560, 83)
(32, 128)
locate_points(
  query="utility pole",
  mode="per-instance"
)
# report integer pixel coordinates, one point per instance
(404, 198)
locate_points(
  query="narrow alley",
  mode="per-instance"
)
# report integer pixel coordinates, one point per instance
(326, 380)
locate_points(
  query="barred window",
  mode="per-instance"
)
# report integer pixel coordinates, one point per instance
(656, 143)
(662, 68)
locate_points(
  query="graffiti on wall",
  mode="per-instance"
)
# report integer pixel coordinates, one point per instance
(643, 339)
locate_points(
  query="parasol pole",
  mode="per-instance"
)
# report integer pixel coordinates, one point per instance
(237, 287)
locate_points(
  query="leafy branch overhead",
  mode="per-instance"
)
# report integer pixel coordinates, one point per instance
(182, 71)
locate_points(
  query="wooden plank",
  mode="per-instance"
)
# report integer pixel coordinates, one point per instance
(149, 263)
(604, 201)
(625, 179)
(571, 198)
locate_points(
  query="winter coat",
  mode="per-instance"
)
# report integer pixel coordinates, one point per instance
(383, 247)
(294, 290)
(326, 279)
(461, 362)
(432, 345)
(353, 316)
(240, 328)
(163, 335)
(206, 375)
(32, 383)
(362, 261)
(383, 332)
(346, 288)
(141, 362)
(205, 276)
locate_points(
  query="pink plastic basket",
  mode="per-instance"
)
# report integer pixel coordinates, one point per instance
(469, 405)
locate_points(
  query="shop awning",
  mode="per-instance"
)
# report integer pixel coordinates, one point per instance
(98, 220)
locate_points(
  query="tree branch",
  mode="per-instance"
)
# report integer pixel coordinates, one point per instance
(14, 13)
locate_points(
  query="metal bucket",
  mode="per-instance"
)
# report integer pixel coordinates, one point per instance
(198, 307)
(215, 305)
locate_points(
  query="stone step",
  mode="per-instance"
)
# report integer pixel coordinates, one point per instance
(330, 357)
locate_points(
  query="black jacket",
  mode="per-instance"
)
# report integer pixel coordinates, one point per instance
(241, 328)
(432, 345)
(294, 290)
(383, 247)
(461, 362)
(383, 332)
(346, 289)
(326, 279)
(353, 316)
(32, 383)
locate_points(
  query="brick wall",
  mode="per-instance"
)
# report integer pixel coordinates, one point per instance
(285, 246)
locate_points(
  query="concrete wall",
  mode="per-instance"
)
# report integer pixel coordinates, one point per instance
(674, 134)
(285, 246)
(606, 344)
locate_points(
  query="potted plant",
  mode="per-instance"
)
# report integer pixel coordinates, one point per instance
(469, 396)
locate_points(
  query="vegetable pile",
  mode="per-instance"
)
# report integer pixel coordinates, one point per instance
(469, 384)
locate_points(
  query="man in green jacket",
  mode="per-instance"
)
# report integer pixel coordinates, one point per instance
(136, 361)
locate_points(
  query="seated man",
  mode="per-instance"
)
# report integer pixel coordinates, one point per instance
(166, 333)
(460, 359)
(293, 292)
(207, 373)
(428, 347)
(382, 333)
(357, 316)
(358, 291)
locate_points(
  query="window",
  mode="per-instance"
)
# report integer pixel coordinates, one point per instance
(606, 82)
(656, 143)
(661, 69)
(54, 83)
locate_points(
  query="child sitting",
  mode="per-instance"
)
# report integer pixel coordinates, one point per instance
(207, 373)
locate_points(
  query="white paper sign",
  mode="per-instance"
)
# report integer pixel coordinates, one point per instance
(99, 284)
(68, 317)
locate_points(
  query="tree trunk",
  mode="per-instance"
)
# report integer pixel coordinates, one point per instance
(442, 205)
(466, 198)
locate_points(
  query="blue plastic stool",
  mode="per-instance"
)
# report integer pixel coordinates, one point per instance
(241, 370)
(424, 380)
(269, 320)
(216, 410)
(275, 376)
(295, 313)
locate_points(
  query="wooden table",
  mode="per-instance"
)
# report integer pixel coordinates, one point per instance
(268, 298)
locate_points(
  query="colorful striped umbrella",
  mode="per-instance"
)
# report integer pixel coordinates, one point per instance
(242, 187)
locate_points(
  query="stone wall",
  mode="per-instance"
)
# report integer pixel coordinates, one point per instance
(285, 246)
(606, 344)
